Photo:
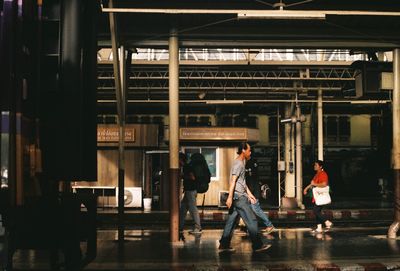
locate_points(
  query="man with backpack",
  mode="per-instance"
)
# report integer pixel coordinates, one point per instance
(196, 176)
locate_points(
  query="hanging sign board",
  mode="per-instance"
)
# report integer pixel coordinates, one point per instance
(108, 133)
(218, 134)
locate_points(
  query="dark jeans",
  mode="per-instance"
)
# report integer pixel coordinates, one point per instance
(241, 207)
(318, 214)
(261, 215)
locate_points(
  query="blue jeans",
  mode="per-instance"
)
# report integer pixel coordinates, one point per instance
(188, 203)
(241, 207)
(260, 214)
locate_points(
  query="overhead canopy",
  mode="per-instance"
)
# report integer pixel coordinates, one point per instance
(344, 24)
(253, 25)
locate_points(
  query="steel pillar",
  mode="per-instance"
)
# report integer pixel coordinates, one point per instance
(174, 134)
(392, 232)
(290, 191)
(320, 127)
(121, 147)
(119, 81)
(299, 158)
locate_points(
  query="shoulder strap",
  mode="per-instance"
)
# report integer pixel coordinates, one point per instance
(202, 205)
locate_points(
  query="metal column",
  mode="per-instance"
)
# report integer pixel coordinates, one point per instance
(299, 162)
(119, 81)
(174, 134)
(121, 148)
(320, 127)
(396, 144)
(289, 156)
(278, 126)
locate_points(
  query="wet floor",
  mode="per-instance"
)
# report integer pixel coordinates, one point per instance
(151, 250)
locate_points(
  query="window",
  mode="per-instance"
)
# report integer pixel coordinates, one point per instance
(273, 129)
(209, 153)
(344, 128)
(337, 129)
(376, 127)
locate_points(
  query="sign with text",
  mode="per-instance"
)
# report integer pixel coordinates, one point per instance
(218, 133)
(106, 133)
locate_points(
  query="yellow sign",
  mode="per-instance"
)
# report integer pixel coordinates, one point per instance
(107, 133)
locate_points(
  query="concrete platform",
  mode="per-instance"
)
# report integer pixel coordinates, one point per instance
(292, 249)
(217, 217)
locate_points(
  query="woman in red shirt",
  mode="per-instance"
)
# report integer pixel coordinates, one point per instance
(320, 180)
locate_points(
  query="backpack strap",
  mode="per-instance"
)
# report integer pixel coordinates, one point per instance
(202, 205)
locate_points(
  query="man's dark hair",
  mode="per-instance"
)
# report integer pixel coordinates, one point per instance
(242, 146)
(320, 163)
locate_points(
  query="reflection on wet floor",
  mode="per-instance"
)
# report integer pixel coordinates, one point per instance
(151, 249)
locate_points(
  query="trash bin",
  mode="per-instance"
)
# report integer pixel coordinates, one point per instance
(147, 204)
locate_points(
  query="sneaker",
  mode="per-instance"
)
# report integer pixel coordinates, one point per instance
(226, 248)
(268, 230)
(317, 230)
(262, 248)
(196, 231)
(328, 224)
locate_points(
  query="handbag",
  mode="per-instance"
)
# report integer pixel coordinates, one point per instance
(321, 195)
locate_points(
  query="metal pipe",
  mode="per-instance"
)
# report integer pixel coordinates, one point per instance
(289, 175)
(320, 127)
(116, 67)
(308, 14)
(121, 149)
(174, 134)
(121, 121)
(255, 101)
(242, 13)
(278, 121)
(392, 232)
(299, 162)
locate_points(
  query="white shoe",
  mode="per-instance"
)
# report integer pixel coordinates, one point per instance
(268, 230)
(328, 224)
(318, 229)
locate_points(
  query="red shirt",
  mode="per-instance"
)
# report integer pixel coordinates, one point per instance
(321, 177)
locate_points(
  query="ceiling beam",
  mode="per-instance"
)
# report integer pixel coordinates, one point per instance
(262, 14)
(256, 101)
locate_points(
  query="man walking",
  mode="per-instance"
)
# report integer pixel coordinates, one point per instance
(238, 202)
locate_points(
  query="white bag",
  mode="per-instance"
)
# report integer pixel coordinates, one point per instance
(321, 195)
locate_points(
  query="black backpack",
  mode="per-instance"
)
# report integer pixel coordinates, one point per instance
(201, 172)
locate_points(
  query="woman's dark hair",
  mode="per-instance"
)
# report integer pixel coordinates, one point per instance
(320, 163)
(242, 146)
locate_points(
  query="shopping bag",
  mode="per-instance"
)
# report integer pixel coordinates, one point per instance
(321, 195)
